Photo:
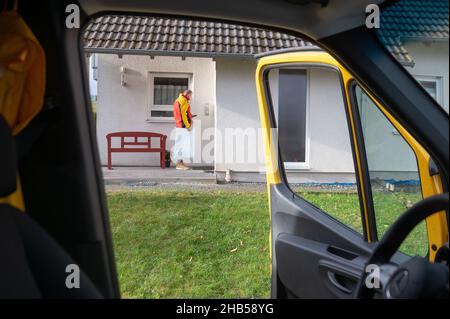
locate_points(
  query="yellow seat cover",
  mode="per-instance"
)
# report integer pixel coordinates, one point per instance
(22, 80)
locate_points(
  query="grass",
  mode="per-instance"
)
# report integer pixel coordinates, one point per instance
(388, 206)
(187, 244)
(172, 244)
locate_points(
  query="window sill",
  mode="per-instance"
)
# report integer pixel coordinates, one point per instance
(159, 120)
(293, 167)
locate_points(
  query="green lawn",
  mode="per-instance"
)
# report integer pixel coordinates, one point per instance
(388, 206)
(174, 244)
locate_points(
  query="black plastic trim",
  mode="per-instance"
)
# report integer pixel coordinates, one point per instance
(363, 160)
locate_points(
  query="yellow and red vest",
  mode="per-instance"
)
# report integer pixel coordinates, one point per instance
(182, 112)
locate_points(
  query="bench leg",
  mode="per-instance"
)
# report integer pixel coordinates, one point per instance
(109, 161)
(163, 160)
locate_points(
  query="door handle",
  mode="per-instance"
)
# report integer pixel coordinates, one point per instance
(341, 282)
(341, 278)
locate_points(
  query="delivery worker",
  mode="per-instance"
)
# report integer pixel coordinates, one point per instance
(183, 125)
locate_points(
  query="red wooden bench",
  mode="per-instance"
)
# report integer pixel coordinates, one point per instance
(141, 143)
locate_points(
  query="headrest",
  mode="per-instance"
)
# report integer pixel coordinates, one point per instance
(8, 164)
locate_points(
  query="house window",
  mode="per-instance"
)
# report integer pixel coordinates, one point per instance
(164, 89)
(292, 114)
(433, 85)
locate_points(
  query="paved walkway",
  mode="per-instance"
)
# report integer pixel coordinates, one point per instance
(148, 176)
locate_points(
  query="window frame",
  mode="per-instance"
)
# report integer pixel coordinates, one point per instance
(151, 75)
(281, 165)
(438, 80)
(301, 166)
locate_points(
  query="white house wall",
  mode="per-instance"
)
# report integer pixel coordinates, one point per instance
(330, 158)
(397, 159)
(125, 108)
(431, 59)
(237, 107)
(330, 149)
(226, 86)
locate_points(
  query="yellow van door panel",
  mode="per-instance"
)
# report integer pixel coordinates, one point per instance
(431, 185)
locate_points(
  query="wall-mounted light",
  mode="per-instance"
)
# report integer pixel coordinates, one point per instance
(122, 75)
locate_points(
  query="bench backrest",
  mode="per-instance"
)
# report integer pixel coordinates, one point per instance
(136, 136)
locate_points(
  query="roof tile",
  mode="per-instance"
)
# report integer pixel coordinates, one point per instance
(400, 21)
(409, 19)
(159, 34)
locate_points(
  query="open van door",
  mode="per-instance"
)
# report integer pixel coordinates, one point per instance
(315, 253)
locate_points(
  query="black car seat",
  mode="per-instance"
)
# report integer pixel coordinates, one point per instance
(32, 263)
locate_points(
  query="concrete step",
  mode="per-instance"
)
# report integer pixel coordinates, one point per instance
(154, 175)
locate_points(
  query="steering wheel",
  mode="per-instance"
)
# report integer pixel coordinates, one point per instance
(416, 278)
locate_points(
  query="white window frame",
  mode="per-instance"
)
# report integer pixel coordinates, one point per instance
(154, 107)
(438, 80)
(299, 166)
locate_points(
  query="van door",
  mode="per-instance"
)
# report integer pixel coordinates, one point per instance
(340, 169)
